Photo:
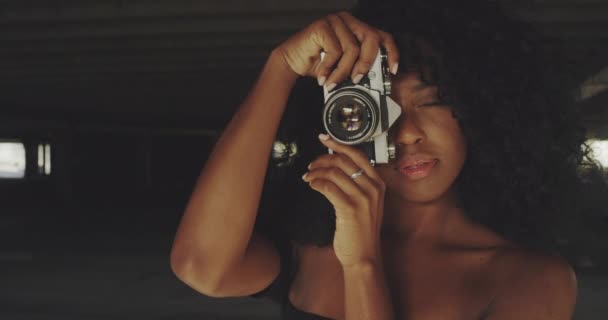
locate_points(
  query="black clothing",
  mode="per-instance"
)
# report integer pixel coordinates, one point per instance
(278, 290)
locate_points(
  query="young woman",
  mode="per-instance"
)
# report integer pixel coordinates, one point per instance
(450, 229)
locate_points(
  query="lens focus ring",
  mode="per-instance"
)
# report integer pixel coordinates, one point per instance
(350, 116)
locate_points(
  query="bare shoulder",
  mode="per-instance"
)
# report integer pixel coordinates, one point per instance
(536, 286)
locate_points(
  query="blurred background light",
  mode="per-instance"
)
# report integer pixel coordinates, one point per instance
(599, 151)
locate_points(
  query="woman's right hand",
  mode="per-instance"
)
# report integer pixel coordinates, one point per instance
(349, 44)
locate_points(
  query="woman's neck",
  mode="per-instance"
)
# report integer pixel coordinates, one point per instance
(415, 220)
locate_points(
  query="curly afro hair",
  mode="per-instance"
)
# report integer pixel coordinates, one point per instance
(525, 142)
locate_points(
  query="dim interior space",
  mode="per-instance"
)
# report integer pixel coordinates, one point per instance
(109, 109)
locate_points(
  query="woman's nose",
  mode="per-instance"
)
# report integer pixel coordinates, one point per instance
(407, 131)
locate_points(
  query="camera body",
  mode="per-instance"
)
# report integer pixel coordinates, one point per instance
(361, 114)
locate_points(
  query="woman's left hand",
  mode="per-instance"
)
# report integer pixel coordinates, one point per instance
(358, 201)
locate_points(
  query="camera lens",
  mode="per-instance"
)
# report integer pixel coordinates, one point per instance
(350, 116)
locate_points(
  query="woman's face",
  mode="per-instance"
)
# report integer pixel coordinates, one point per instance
(430, 146)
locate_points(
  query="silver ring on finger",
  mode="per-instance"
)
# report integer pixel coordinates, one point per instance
(356, 174)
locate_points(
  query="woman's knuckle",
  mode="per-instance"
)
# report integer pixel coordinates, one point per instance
(320, 159)
(358, 153)
(330, 187)
(373, 37)
(347, 47)
(364, 64)
(335, 172)
(354, 48)
(319, 24)
(330, 158)
(341, 159)
(343, 13)
(321, 185)
(385, 35)
(352, 206)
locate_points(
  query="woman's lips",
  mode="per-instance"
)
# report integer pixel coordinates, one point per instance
(418, 169)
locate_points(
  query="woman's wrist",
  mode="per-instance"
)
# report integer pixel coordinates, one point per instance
(363, 266)
(361, 269)
(274, 83)
(367, 295)
(277, 61)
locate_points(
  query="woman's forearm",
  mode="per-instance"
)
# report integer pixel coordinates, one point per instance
(219, 218)
(366, 294)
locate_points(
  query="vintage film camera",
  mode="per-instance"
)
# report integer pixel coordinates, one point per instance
(361, 114)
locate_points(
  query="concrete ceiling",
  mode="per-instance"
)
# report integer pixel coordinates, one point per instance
(173, 57)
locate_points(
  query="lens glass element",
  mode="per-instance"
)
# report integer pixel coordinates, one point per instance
(350, 116)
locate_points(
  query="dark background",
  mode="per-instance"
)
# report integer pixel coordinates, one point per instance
(131, 96)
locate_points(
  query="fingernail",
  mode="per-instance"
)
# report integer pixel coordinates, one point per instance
(304, 176)
(357, 78)
(394, 68)
(321, 80)
(323, 137)
(309, 165)
(330, 86)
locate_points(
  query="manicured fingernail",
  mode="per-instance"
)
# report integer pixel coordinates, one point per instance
(357, 78)
(323, 137)
(304, 176)
(309, 165)
(394, 68)
(321, 80)
(330, 86)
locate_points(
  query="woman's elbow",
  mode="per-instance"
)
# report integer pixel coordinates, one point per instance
(190, 271)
